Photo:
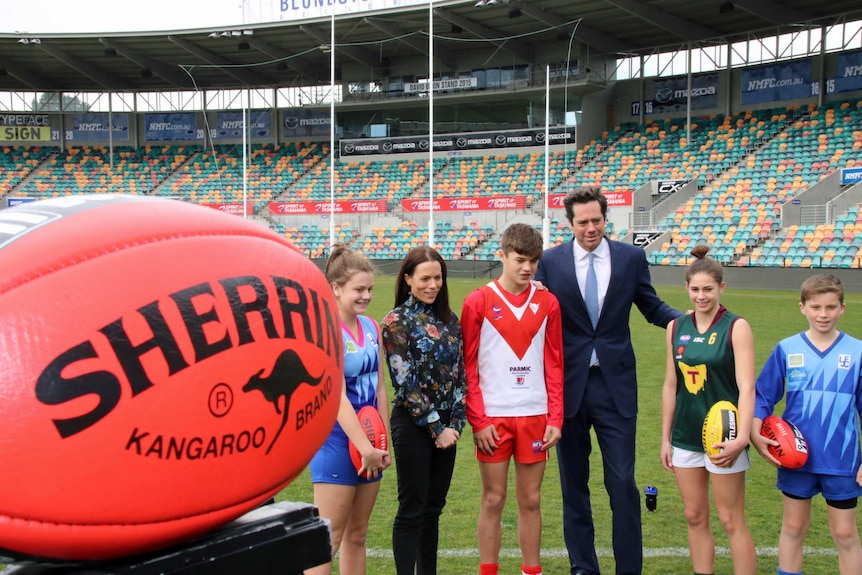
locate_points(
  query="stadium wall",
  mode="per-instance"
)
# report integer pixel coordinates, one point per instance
(735, 277)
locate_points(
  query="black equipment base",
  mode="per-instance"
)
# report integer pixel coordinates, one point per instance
(282, 538)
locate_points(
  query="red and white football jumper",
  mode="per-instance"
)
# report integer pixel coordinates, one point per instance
(513, 354)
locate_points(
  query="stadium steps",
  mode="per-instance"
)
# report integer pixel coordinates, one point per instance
(293, 191)
(815, 257)
(160, 188)
(601, 148)
(30, 177)
(731, 241)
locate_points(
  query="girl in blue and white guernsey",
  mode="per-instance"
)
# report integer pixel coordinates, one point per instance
(341, 494)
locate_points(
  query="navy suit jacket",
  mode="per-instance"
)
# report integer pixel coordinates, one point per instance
(629, 284)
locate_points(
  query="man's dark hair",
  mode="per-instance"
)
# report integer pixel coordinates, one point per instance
(584, 195)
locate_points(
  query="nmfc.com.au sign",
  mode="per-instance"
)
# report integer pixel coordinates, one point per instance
(851, 176)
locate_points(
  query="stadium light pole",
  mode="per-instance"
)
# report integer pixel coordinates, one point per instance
(688, 95)
(111, 129)
(546, 220)
(244, 102)
(332, 128)
(431, 124)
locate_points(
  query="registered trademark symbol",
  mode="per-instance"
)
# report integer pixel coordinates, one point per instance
(221, 399)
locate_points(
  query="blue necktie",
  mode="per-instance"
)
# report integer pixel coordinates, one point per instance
(591, 292)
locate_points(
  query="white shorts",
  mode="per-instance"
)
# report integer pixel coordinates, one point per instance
(691, 459)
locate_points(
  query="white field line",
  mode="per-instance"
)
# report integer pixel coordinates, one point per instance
(606, 552)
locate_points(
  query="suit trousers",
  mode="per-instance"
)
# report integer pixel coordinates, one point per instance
(424, 476)
(616, 439)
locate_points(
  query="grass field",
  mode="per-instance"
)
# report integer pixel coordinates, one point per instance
(773, 315)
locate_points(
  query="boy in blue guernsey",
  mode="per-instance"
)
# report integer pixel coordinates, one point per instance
(820, 369)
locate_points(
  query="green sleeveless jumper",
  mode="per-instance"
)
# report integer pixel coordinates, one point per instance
(705, 374)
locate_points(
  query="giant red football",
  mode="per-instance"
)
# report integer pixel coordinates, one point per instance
(374, 428)
(165, 368)
(792, 449)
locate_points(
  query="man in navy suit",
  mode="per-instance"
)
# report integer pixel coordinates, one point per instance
(600, 381)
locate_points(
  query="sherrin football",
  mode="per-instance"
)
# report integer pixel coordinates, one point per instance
(792, 450)
(375, 430)
(721, 424)
(165, 368)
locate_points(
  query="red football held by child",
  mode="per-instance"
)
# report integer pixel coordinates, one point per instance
(792, 450)
(374, 429)
(166, 368)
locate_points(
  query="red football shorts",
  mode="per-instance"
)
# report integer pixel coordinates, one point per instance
(519, 436)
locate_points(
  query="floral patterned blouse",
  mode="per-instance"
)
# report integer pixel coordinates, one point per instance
(426, 364)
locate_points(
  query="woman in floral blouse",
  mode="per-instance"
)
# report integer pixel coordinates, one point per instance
(422, 341)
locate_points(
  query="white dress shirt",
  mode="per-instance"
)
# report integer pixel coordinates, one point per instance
(601, 265)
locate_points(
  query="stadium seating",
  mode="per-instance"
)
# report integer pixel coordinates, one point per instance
(313, 240)
(17, 163)
(390, 179)
(747, 165)
(660, 150)
(452, 241)
(739, 210)
(215, 175)
(85, 169)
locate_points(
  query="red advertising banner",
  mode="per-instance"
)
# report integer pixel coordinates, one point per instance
(615, 199)
(465, 204)
(313, 208)
(233, 208)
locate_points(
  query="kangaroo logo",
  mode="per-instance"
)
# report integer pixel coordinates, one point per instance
(286, 376)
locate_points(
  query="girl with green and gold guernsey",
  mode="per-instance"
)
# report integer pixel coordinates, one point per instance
(710, 357)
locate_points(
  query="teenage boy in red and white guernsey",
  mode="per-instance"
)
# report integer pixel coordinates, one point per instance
(513, 353)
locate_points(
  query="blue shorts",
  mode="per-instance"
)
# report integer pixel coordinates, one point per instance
(805, 485)
(332, 464)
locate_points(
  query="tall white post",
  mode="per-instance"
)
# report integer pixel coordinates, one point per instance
(332, 129)
(431, 124)
(244, 102)
(546, 221)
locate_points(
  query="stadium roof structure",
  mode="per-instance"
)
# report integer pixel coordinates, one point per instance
(380, 44)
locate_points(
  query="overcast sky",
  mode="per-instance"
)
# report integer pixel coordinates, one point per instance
(47, 16)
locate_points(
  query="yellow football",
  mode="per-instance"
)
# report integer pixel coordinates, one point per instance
(721, 424)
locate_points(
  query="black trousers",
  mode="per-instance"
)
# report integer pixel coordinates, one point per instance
(424, 475)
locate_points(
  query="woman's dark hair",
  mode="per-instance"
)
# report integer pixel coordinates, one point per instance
(413, 258)
(704, 264)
